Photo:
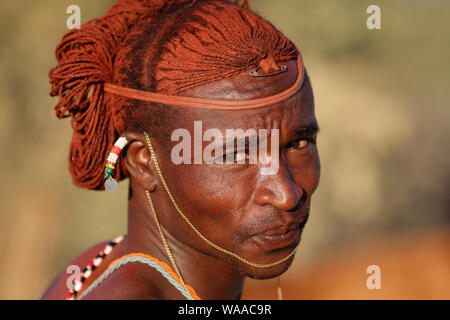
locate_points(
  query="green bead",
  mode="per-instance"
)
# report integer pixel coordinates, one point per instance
(105, 176)
(109, 170)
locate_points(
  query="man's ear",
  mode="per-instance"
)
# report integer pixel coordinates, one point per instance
(138, 160)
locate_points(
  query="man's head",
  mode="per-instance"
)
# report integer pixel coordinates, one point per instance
(235, 205)
(195, 49)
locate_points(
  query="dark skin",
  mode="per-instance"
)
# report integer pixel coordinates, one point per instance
(232, 205)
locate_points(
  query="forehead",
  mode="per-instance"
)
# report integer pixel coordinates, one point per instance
(244, 87)
(296, 111)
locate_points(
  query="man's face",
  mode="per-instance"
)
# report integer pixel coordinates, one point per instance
(255, 215)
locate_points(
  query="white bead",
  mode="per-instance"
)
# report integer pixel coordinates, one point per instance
(87, 273)
(108, 249)
(77, 286)
(97, 261)
(121, 142)
(118, 239)
(113, 158)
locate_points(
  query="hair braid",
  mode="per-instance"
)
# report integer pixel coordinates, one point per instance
(167, 46)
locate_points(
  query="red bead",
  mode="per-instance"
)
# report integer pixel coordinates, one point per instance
(116, 150)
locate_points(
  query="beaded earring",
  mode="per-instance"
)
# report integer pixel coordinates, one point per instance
(111, 183)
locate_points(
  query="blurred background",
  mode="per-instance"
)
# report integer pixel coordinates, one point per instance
(382, 101)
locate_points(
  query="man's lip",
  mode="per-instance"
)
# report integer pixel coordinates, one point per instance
(279, 231)
(278, 241)
(282, 236)
(292, 224)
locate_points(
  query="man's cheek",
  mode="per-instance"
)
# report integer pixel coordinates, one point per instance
(214, 211)
(316, 171)
(307, 175)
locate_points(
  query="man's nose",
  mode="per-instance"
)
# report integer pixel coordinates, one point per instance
(279, 190)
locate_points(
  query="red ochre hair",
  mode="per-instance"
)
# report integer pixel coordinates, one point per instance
(164, 46)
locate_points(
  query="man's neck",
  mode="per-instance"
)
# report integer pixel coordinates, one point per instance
(209, 276)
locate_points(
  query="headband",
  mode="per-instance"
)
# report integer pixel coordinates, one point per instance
(204, 103)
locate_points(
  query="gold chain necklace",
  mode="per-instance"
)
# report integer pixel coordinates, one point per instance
(169, 253)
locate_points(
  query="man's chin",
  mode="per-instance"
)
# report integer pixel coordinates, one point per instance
(262, 273)
(271, 272)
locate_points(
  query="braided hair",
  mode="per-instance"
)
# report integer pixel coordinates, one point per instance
(165, 46)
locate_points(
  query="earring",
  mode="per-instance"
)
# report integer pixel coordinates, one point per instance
(111, 183)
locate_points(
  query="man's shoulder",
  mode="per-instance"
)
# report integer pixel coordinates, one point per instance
(59, 287)
(126, 283)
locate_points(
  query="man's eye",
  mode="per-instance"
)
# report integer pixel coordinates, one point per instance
(299, 144)
(302, 143)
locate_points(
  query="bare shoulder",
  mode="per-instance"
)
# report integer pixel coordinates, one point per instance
(126, 283)
(58, 289)
(134, 281)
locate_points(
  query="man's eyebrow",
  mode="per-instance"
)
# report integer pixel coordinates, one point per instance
(306, 131)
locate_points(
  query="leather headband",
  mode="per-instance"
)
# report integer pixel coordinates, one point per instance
(204, 103)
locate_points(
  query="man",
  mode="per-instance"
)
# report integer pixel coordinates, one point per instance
(215, 223)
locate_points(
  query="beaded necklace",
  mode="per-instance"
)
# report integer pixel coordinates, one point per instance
(87, 271)
(158, 265)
